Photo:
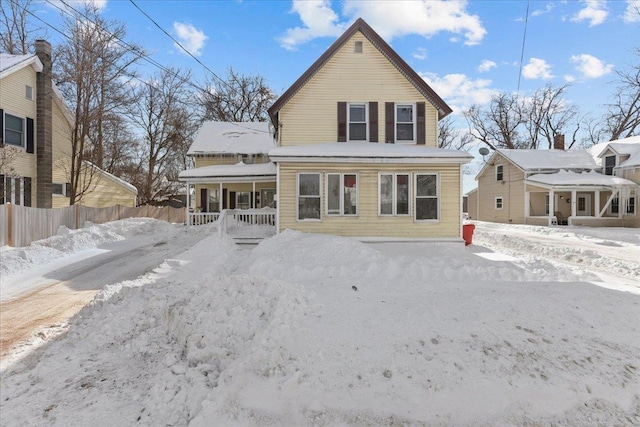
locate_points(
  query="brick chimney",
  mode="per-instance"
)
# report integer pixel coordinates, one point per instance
(44, 127)
(558, 142)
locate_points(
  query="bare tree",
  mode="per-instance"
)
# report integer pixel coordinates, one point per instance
(452, 138)
(92, 69)
(17, 34)
(167, 123)
(517, 122)
(8, 155)
(239, 98)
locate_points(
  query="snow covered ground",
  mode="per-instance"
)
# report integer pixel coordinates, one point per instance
(528, 326)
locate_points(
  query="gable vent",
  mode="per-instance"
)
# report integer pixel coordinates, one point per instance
(358, 47)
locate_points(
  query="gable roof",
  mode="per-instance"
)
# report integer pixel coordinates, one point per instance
(9, 64)
(625, 147)
(232, 138)
(361, 26)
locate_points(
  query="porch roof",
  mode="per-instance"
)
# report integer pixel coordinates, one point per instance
(240, 172)
(368, 152)
(573, 179)
(232, 138)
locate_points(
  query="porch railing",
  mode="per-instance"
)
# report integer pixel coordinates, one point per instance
(201, 218)
(233, 218)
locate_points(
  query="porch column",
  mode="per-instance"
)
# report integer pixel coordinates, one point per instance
(551, 205)
(574, 202)
(188, 202)
(596, 207)
(527, 205)
(220, 204)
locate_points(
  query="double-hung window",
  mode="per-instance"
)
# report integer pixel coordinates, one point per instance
(500, 202)
(342, 194)
(631, 205)
(615, 205)
(14, 130)
(405, 123)
(393, 194)
(609, 164)
(357, 122)
(308, 196)
(499, 173)
(426, 205)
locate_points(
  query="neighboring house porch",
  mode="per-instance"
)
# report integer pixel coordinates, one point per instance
(569, 198)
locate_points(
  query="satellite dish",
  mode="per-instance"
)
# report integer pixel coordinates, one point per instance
(484, 151)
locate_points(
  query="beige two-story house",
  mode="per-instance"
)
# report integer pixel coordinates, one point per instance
(35, 132)
(357, 152)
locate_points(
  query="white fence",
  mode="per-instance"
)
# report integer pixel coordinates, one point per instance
(21, 225)
(233, 218)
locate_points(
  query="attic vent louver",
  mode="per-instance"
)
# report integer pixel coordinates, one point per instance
(358, 47)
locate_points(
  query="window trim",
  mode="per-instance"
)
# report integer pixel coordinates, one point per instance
(341, 195)
(415, 197)
(394, 195)
(615, 163)
(501, 199)
(413, 122)
(320, 189)
(28, 92)
(64, 189)
(366, 121)
(633, 197)
(23, 133)
(501, 173)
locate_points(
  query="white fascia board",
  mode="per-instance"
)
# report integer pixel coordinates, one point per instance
(34, 61)
(373, 160)
(566, 187)
(227, 179)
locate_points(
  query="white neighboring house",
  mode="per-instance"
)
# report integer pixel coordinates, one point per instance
(595, 187)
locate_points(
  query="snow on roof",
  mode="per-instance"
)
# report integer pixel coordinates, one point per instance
(550, 159)
(232, 138)
(369, 150)
(573, 178)
(227, 171)
(114, 178)
(12, 63)
(627, 146)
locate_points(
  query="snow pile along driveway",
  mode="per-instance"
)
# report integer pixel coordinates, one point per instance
(321, 330)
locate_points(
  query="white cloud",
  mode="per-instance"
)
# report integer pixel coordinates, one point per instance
(459, 91)
(486, 65)
(190, 37)
(537, 69)
(590, 66)
(632, 13)
(569, 78)
(594, 11)
(319, 21)
(390, 19)
(548, 8)
(420, 53)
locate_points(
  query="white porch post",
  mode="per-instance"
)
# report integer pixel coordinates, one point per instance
(188, 203)
(596, 202)
(527, 205)
(551, 205)
(574, 202)
(220, 204)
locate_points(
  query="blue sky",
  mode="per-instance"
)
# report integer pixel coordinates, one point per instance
(466, 50)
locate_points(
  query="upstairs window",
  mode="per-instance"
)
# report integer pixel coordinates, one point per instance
(14, 130)
(499, 173)
(357, 122)
(357, 47)
(405, 123)
(609, 164)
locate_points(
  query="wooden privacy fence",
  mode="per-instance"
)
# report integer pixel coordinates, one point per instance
(21, 225)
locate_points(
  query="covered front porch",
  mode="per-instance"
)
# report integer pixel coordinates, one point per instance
(569, 198)
(237, 188)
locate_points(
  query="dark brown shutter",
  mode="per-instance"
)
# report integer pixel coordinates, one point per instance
(27, 191)
(1, 184)
(389, 123)
(29, 135)
(420, 123)
(232, 199)
(342, 122)
(16, 191)
(67, 189)
(373, 122)
(1, 127)
(224, 198)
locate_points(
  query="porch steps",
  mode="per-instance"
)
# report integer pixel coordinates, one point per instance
(247, 241)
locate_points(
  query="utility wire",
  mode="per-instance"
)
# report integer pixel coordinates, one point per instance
(524, 38)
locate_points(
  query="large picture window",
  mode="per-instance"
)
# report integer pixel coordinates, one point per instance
(342, 194)
(426, 197)
(357, 122)
(14, 130)
(393, 194)
(405, 121)
(308, 196)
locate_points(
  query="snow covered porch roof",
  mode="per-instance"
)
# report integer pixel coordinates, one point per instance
(232, 138)
(240, 172)
(571, 180)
